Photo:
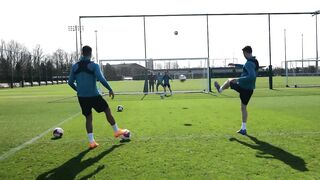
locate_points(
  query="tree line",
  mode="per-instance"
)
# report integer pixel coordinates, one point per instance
(21, 67)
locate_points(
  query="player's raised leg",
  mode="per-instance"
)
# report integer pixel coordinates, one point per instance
(225, 85)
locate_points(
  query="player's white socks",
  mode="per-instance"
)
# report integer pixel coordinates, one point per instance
(115, 127)
(243, 126)
(220, 89)
(91, 138)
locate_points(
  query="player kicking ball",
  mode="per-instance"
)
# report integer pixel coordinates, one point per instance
(244, 85)
(85, 73)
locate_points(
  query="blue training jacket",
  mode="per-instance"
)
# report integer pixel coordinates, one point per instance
(84, 83)
(249, 74)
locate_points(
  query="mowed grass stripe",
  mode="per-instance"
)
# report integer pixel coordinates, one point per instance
(18, 148)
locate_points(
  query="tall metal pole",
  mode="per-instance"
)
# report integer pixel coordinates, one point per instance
(285, 56)
(317, 55)
(75, 28)
(96, 32)
(302, 50)
(145, 38)
(270, 65)
(77, 40)
(80, 32)
(208, 60)
(145, 88)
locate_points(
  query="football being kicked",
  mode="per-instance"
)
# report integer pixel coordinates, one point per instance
(182, 78)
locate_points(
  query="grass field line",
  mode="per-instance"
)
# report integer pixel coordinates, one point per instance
(18, 148)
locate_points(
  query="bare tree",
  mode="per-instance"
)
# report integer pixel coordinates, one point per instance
(38, 56)
(58, 58)
(175, 65)
(13, 55)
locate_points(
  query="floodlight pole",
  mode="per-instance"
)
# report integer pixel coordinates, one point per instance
(302, 50)
(75, 28)
(285, 56)
(96, 33)
(208, 60)
(145, 88)
(270, 65)
(317, 55)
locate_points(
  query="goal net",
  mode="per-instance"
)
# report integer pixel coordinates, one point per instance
(302, 73)
(137, 76)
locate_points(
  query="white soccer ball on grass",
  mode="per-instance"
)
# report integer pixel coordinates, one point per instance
(57, 132)
(120, 108)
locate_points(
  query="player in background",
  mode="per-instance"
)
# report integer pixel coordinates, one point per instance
(244, 85)
(159, 81)
(166, 82)
(83, 77)
(152, 78)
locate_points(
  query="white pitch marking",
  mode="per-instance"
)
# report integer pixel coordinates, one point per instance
(18, 148)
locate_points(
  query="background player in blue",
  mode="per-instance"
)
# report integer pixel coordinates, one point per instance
(166, 82)
(85, 74)
(159, 81)
(244, 85)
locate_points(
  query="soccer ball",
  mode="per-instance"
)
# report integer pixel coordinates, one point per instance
(57, 132)
(126, 135)
(175, 32)
(120, 108)
(182, 78)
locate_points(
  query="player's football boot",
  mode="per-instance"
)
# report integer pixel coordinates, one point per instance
(119, 133)
(242, 131)
(216, 84)
(93, 145)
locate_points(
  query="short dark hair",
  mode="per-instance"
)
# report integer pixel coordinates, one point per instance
(86, 51)
(247, 49)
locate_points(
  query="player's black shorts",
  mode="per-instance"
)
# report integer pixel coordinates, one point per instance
(96, 102)
(245, 94)
(166, 85)
(159, 84)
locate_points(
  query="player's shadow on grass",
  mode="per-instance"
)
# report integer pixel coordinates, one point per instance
(270, 151)
(71, 168)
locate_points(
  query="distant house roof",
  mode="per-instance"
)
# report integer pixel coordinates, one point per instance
(129, 65)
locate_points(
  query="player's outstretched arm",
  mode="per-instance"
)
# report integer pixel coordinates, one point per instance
(235, 65)
(71, 80)
(103, 80)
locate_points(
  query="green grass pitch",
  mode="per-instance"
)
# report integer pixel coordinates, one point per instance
(187, 136)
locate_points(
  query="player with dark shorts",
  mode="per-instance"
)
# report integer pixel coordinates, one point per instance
(152, 78)
(244, 85)
(166, 82)
(244, 94)
(96, 102)
(85, 73)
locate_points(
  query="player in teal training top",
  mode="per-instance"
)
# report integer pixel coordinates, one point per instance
(244, 85)
(159, 81)
(83, 77)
